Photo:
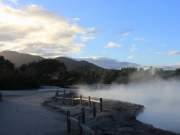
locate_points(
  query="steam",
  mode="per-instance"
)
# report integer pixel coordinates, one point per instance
(161, 99)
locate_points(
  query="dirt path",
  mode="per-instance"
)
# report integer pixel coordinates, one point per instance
(22, 114)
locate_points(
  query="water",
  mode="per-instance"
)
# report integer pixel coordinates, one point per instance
(21, 113)
(160, 98)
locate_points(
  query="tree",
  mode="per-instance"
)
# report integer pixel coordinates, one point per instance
(47, 72)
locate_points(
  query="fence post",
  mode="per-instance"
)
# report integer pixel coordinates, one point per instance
(55, 99)
(94, 109)
(89, 98)
(0, 96)
(101, 105)
(64, 92)
(63, 101)
(64, 96)
(79, 122)
(72, 101)
(80, 99)
(83, 115)
(68, 122)
(57, 93)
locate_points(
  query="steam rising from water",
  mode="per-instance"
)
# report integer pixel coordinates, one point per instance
(161, 100)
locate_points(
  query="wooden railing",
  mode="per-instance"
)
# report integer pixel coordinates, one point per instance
(90, 100)
(81, 121)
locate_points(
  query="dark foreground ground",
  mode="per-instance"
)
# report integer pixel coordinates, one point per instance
(22, 114)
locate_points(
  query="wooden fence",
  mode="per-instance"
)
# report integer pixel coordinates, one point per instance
(81, 121)
(81, 99)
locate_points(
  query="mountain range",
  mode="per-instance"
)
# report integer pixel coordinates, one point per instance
(19, 59)
(110, 63)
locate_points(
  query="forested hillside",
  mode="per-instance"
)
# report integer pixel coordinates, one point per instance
(54, 72)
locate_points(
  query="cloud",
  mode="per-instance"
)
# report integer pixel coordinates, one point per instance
(139, 39)
(91, 30)
(131, 57)
(86, 38)
(89, 34)
(76, 19)
(173, 53)
(133, 48)
(126, 33)
(32, 29)
(13, 2)
(112, 45)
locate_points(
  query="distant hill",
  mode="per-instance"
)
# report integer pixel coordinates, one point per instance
(75, 65)
(64, 71)
(110, 63)
(19, 59)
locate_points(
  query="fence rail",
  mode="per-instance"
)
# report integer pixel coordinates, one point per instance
(81, 121)
(81, 99)
(83, 128)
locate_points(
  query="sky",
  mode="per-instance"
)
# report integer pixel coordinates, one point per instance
(140, 31)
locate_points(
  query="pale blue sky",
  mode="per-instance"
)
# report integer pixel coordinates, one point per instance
(141, 31)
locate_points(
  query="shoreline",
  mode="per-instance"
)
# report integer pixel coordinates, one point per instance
(118, 117)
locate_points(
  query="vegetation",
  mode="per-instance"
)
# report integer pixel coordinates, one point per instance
(45, 72)
(53, 72)
(11, 78)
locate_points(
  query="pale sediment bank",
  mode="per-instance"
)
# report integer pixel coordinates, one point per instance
(117, 117)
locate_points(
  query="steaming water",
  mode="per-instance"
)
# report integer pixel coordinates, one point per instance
(160, 98)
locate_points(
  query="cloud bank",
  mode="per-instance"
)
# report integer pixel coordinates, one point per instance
(112, 45)
(32, 29)
(174, 53)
